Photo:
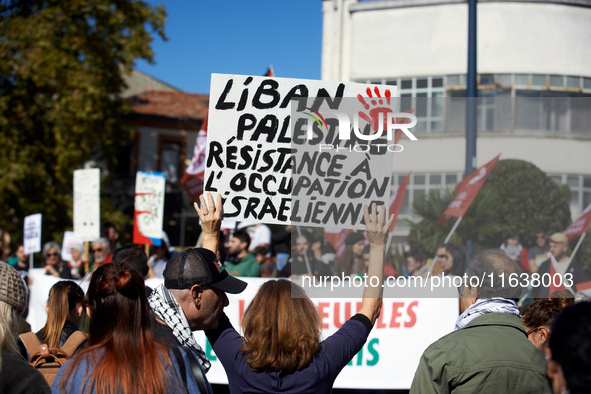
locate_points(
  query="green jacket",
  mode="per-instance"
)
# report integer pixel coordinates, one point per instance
(248, 266)
(490, 355)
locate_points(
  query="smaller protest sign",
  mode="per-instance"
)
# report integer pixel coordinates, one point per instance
(149, 208)
(87, 204)
(32, 233)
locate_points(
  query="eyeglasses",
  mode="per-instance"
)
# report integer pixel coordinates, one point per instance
(97, 250)
(52, 254)
(532, 331)
(442, 256)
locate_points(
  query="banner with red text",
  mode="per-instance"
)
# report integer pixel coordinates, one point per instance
(402, 332)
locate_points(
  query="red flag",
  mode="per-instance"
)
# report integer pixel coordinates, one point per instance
(553, 287)
(193, 178)
(336, 237)
(581, 225)
(396, 200)
(467, 190)
(270, 71)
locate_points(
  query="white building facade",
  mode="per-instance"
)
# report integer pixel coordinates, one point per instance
(534, 82)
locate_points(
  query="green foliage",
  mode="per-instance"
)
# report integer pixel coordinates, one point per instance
(517, 195)
(61, 65)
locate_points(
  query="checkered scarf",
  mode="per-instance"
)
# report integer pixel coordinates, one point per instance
(167, 309)
(487, 305)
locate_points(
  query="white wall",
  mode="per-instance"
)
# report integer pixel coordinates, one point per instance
(363, 43)
(551, 155)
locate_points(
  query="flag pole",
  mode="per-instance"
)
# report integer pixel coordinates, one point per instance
(451, 232)
(576, 249)
(388, 242)
(305, 254)
(87, 253)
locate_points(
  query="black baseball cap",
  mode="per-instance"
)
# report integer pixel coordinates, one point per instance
(198, 266)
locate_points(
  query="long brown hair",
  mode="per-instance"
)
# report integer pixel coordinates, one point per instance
(348, 264)
(543, 312)
(131, 360)
(64, 297)
(282, 330)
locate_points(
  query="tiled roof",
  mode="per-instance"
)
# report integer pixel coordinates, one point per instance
(173, 105)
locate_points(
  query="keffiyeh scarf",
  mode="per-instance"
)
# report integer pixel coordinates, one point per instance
(487, 305)
(167, 309)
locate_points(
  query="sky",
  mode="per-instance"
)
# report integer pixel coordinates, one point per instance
(236, 37)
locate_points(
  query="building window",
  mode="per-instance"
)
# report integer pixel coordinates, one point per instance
(580, 191)
(171, 154)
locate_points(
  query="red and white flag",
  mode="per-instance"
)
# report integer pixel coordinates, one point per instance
(336, 237)
(193, 179)
(396, 200)
(467, 190)
(581, 225)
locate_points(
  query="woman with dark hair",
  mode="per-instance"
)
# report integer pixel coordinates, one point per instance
(451, 259)
(537, 318)
(123, 356)
(351, 262)
(281, 349)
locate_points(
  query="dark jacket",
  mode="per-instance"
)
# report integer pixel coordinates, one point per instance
(18, 376)
(574, 268)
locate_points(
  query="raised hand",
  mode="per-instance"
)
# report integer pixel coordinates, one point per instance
(211, 220)
(376, 225)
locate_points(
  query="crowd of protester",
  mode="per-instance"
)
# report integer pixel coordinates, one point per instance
(127, 330)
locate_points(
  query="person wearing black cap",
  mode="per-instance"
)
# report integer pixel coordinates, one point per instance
(193, 295)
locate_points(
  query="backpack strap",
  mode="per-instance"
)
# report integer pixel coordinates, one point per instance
(182, 368)
(202, 383)
(31, 342)
(73, 342)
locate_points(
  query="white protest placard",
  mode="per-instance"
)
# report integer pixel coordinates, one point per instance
(87, 204)
(69, 240)
(276, 152)
(32, 234)
(149, 207)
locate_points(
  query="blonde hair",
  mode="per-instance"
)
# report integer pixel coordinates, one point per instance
(64, 297)
(269, 323)
(9, 328)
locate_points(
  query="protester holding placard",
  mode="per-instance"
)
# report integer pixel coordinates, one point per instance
(281, 348)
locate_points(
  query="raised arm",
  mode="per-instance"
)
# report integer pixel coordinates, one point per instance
(211, 220)
(377, 229)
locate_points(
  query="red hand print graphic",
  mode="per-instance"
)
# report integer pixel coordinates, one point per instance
(376, 108)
